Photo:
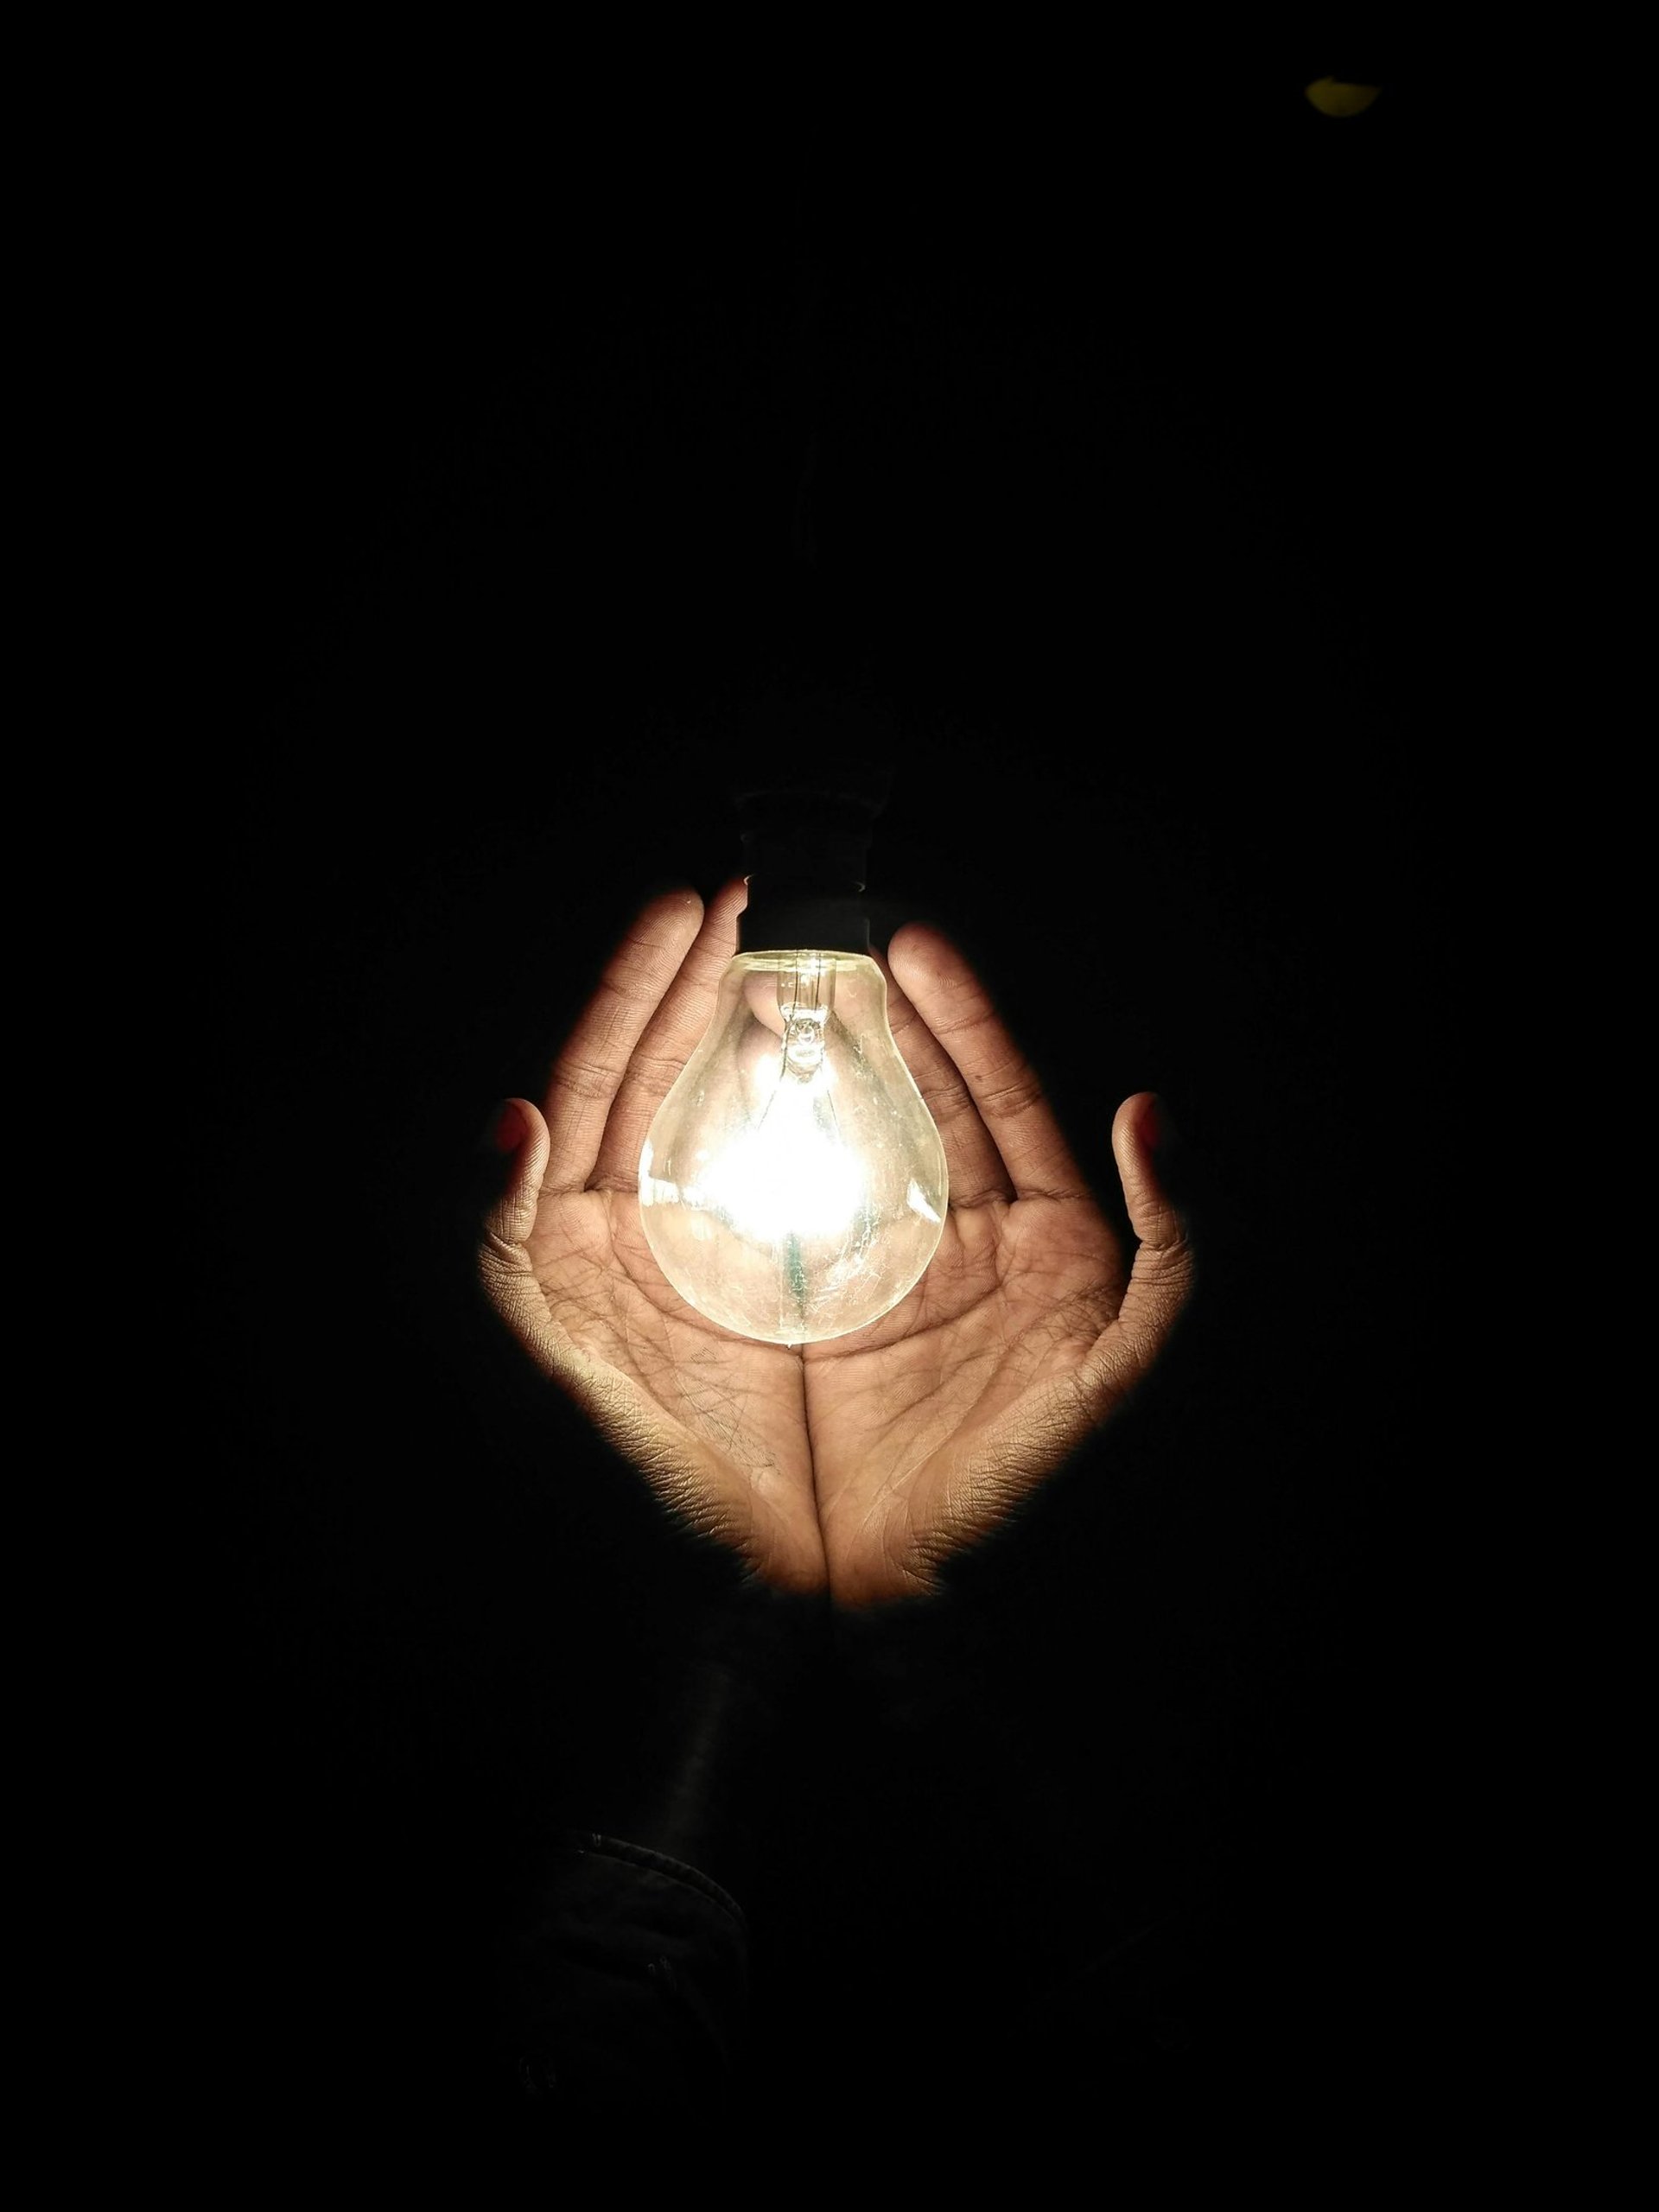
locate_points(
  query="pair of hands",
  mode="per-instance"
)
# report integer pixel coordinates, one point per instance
(856, 1466)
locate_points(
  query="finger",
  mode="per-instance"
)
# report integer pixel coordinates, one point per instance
(1001, 1082)
(594, 1059)
(972, 1160)
(1144, 1143)
(503, 1266)
(675, 1030)
(518, 1131)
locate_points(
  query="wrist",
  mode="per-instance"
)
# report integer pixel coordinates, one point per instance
(694, 1760)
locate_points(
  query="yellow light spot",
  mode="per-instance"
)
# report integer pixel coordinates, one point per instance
(1331, 97)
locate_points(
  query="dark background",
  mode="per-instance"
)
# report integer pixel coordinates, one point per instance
(1107, 431)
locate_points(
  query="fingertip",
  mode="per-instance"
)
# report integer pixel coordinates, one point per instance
(1146, 1116)
(715, 933)
(515, 1132)
(919, 947)
(1157, 1125)
(673, 903)
(506, 1128)
(1141, 1140)
(1131, 1122)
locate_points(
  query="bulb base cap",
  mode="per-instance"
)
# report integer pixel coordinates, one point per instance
(794, 921)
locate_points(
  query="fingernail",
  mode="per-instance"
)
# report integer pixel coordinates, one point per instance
(505, 1132)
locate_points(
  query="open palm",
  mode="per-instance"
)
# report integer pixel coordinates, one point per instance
(861, 1463)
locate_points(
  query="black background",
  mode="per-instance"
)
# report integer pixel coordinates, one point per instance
(1108, 428)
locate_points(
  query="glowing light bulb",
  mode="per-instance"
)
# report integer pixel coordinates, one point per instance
(792, 1185)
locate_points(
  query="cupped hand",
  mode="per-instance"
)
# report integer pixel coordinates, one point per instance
(860, 1464)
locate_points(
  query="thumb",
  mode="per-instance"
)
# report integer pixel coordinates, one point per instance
(1148, 1150)
(517, 1138)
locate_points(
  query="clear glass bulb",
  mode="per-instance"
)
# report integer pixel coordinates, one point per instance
(792, 1185)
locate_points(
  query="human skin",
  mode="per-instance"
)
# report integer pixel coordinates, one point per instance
(859, 1466)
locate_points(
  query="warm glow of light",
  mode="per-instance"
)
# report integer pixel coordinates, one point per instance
(791, 1175)
(1332, 97)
